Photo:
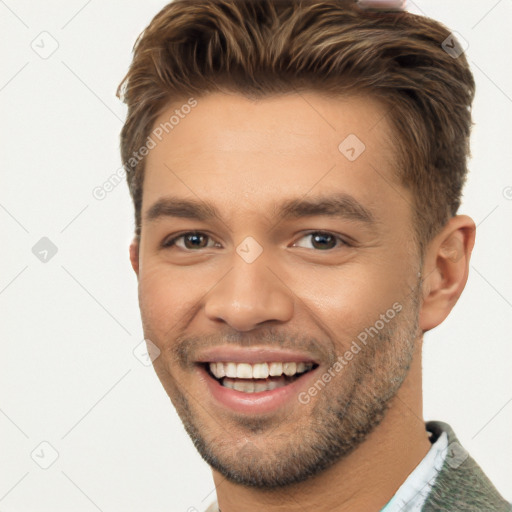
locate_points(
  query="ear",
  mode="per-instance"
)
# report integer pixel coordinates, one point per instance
(446, 269)
(134, 255)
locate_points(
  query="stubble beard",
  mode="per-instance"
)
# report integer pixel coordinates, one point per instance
(346, 411)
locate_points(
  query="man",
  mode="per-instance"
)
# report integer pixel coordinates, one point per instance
(296, 169)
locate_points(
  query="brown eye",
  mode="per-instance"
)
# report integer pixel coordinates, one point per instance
(323, 241)
(191, 241)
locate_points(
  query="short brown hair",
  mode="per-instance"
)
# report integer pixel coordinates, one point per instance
(264, 47)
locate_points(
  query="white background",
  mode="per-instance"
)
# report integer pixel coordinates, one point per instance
(67, 372)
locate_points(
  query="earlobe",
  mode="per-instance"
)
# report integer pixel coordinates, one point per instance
(134, 256)
(446, 270)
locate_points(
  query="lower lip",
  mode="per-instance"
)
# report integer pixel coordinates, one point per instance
(257, 403)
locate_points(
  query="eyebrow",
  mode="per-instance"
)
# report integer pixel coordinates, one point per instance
(341, 205)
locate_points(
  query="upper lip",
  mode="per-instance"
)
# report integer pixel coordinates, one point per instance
(253, 355)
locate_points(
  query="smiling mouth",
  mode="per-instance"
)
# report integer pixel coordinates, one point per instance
(255, 378)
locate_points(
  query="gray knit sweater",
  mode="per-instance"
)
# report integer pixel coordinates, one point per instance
(461, 485)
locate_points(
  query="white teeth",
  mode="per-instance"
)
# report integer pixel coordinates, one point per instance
(276, 369)
(255, 386)
(246, 387)
(244, 371)
(258, 370)
(230, 369)
(274, 384)
(261, 386)
(289, 369)
(301, 367)
(228, 383)
(220, 371)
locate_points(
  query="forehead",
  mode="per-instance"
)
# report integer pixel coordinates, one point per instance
(251, 153)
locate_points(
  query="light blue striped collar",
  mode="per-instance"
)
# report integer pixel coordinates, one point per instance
(412, 494)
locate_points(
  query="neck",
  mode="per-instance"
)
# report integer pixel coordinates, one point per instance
(366, 479)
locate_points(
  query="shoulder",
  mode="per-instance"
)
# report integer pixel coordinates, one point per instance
(461, 485)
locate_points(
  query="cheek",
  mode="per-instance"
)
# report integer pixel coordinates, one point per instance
(169, 296)
(162, 297)
(346, 300)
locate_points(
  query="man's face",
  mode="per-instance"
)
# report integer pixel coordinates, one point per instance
(306, 283)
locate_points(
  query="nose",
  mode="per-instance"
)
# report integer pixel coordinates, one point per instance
(249, 295)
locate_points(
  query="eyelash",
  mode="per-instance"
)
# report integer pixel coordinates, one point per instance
(166, 244)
